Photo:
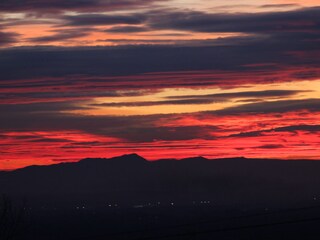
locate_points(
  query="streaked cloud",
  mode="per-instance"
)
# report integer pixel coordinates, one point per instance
(71, 5)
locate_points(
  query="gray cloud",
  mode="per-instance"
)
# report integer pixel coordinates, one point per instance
(273, 107)
(297, 20)
(48, 117)
(294, 128)
(66, 34)
(43, 107)
(270, 146)
(246, 94)
(126, 128)
(225, 54)
(108, 61)
(60, 96)
(150, 134)
(127, 29)
(102, 19)
(289, 5)
(7, 38)
(70, 5)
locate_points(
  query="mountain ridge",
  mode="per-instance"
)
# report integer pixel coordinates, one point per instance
(137, 158)
(131, 179)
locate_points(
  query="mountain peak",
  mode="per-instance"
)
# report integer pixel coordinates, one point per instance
(199, 158)
(234, 158)
(131, 157)
(126, 158)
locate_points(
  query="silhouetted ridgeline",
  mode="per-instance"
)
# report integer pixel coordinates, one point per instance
(130, 179)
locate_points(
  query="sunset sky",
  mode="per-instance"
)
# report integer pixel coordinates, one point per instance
(161, 78)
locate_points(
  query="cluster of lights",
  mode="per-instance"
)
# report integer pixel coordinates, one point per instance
(202, 202)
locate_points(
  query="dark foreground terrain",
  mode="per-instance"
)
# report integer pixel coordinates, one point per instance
(130, 198)
(179, 222)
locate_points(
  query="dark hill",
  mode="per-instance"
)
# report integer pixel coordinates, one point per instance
(130, 179)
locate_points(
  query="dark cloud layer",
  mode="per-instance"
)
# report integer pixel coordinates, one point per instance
(298, 20)
(126, 128)
(142, 59)
(43, 107)
(246, 94)
(288, 5)
(127, 29)
(102, 19)
(273, 107)
(289, 39)
(294, 128)
(153, 134)
(66, 72)
(36, 95)
(66, 34)
(70, 5)
(7, 38)
(50, 117)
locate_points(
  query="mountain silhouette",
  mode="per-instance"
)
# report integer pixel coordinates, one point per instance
(131, 179)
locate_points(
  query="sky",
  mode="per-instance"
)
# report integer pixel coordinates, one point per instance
(160, 78)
